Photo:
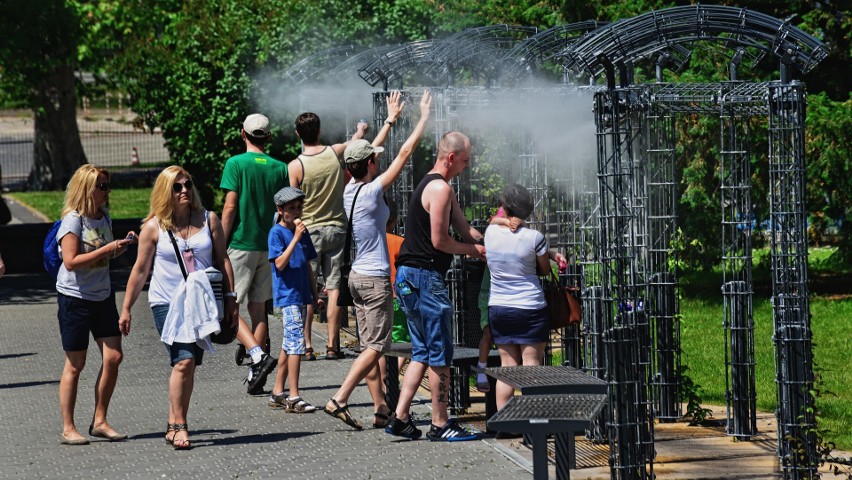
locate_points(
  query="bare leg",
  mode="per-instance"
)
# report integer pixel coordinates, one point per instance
(333, 314)
(410, 383)
(74, 363)
(375, 385)
(383, 371)
(439, 384)
(282, 373)
(180, 392)
(309, 322)
(532, 354)
(361, 368)
(485, 344)
(259, 322)
(510, 356)
(112, 355)
(294, 363)
(245, 335)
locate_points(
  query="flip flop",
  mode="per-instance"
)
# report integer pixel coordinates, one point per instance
(342, 413)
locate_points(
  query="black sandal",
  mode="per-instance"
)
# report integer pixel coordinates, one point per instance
(342, 413)
(170, 427)
(180, 427)
(381, 420)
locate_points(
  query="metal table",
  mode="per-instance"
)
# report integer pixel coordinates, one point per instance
(546, 379)
(541, 415)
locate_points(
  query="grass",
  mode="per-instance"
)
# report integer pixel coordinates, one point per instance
(124, 202)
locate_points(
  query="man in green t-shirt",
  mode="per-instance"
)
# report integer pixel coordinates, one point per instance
(250, 180)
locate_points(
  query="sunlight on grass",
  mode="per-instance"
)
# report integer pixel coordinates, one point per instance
(124, 202)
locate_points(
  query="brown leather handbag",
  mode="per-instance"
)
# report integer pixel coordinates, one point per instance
(563, 303)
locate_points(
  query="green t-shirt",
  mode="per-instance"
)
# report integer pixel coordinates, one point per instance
(255, 177)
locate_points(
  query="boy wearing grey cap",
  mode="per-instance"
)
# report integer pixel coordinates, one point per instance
(294, 286)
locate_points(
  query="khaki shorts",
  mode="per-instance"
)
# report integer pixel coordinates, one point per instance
(374, 310)
(328, 242)
(252, 275)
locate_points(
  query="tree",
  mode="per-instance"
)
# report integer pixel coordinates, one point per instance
(37, 62)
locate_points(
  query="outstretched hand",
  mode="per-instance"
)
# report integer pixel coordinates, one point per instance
(394, 105)
(425, 104)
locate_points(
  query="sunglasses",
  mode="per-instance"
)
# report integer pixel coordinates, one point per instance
(104, 187)
(178, 187)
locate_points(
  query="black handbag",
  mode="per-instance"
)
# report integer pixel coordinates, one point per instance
(227, 332)
(344, 295)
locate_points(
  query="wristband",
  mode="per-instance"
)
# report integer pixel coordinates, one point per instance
(230, 294)
(389, 122)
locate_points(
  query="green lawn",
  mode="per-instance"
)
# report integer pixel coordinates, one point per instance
(702, 342)
(123, 202)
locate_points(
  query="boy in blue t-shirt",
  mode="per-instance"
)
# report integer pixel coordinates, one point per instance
(293, 287)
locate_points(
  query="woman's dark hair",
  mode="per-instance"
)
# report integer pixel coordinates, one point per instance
(359, 169)
(517, 201)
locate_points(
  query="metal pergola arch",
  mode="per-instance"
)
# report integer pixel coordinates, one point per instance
(635, 183)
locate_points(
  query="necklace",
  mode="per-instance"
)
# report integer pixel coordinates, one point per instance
(185, 237)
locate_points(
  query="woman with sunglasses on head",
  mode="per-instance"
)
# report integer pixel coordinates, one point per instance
(86, 299)
(176, 207)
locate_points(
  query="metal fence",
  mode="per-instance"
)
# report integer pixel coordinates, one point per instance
(108, 141)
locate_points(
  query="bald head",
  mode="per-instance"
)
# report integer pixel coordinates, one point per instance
(453, 142)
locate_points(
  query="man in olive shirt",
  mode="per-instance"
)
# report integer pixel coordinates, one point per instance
(250, 181)
(319, 172)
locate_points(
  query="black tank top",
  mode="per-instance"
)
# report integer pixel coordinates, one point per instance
(417, 250)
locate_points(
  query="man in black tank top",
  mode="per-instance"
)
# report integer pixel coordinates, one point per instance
(423, 261)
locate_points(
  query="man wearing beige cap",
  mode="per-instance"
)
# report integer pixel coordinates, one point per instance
(250, 180)
(318, 171)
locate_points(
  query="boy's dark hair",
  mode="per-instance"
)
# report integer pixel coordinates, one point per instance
(517, 201)
(308, 127)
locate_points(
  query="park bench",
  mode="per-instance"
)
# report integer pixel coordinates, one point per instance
(537, 384)
(464, 359)
(538, 416)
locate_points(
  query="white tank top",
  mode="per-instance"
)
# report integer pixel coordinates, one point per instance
(167, 274)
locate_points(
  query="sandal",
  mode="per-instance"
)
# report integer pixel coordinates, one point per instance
(342, 413)
(309, 354)
(381, 420)
(332, 354)
(184, 444)
(483, 386)
(170, 427)
(297, 405)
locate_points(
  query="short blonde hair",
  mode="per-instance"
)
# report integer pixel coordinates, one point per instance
(79, 192)
(162, 199)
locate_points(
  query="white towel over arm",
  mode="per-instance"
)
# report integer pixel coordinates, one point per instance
(193, 313)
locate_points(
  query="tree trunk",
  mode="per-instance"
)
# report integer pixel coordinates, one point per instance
(57, 149)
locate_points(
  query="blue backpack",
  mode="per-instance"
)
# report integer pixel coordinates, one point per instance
(52, 257)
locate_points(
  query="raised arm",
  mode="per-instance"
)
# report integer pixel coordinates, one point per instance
(395, 168)
(394, 109)
(360, 130)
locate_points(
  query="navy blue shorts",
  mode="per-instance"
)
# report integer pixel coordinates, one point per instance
(516, 326)
(177, 351)
(78, 317)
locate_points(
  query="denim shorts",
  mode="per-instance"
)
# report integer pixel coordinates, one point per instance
(177, 351)
(293, 319)
(78, 317)
(424, 298)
